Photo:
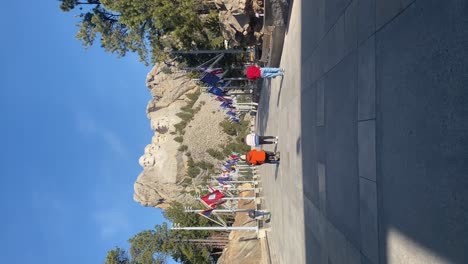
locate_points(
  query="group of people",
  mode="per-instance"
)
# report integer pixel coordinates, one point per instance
(258, 157)
(254, 157)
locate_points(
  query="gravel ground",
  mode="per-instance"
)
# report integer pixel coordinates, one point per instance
(204, 132)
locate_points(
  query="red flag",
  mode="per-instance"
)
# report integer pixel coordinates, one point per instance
(213, 199)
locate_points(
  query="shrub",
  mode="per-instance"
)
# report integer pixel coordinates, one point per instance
(185, 116)
(186, 182)
(204, 165)
(193, 75)
(162, 130)
(179, 127)
(193, 171)
(215, 154)
(193, 96)
(229, 128)
(187, 109)
(235, 129)
(196, 110)
(179, 139)
(182, 148)
(166, 70)
(235, 147)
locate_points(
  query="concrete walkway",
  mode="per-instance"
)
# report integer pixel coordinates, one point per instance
(372, 117)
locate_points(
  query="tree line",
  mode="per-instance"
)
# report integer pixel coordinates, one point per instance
(149, 28)
(157, 245)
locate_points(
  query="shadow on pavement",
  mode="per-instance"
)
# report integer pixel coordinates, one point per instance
(288, 19)
(421, 134)
(264, 106)
(279, 92)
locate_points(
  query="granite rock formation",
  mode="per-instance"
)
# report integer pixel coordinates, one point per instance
(164, 167)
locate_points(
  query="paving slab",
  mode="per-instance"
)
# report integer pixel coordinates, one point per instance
(367, 156)
(368, 219)
(366, 80)
(366, 19)
(373, 123)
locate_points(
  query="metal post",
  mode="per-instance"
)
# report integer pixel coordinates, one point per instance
(239, 93)
(211, 51)
(238, 198)
(239, 182)
(230, 189)
(217, 228)
(235, 79)
(253, 182)
(219, 210)
(248, 104)
(239, 87)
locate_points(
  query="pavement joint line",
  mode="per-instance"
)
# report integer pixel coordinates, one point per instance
(323, 75)
(364, 120)
(332, 26)
(394, 17)
(367, 179)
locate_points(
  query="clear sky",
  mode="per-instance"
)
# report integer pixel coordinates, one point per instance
(73, 125)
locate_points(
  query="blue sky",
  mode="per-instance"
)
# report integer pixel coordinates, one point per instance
(73, 125)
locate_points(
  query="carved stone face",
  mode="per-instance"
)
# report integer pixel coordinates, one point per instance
(154, 139)
(150, 149)
(147, 160)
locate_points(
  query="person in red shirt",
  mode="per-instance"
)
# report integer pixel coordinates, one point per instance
(254, 72)
(258, 157)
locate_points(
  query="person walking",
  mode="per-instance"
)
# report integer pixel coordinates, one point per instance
(254, 72)
(259, 157)
(255, 140)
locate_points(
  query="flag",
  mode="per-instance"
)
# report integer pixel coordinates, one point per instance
(216, 91)
(215, 71)
(206, 212)
(222, 180)
(213, 199)
(210, 79)
(226, 186)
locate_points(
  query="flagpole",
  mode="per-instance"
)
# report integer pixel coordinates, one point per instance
(254, 182)
(219, 210)
(176, 226)
(230, 198)
(238, 198)
(229, 189)
(211, 51)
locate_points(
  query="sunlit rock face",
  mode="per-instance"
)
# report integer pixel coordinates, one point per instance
(163, 166)
(239, 22)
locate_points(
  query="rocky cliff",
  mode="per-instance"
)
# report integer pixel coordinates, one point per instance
(164, 167)
(241, 21)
